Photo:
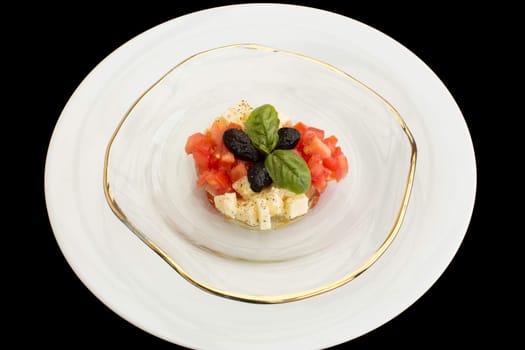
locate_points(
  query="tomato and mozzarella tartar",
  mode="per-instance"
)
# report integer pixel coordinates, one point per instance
(258, 168)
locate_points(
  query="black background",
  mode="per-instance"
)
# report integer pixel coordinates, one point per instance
(64, 44)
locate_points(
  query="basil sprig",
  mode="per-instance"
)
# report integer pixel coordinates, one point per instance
(286, 168)
(262, 126)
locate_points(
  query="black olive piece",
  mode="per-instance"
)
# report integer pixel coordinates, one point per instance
(288, 138)
(238, 142)
(258, 177)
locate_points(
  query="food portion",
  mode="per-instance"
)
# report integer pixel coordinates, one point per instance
(259, 169)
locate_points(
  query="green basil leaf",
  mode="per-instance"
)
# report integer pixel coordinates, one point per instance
(262, 126)
(288, 170)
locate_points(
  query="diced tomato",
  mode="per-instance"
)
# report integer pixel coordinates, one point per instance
(318, 172)
(221, 183)
(325, 159)
(216, 131)
(301, 127)
(318, 132)
(331, 142)
(238, 171)
(214, 163)
(201, 161)
(196, 141)
(215, 181)
(320, 184)
(330, 163)
(342, 167)
(319, 181)
(213, 160)
(226, 160)
(316, 146)
(308, 137)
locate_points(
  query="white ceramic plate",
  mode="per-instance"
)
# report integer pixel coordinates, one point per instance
(138, 285)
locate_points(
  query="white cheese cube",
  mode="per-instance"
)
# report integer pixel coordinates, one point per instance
(226, 204)
(239, 113)
(242, 186)
(295, 206)
(273, 198)
(246, 212)
(284, 193)
(263, 213)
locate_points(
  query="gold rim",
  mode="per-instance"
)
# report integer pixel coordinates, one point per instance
(268, 299)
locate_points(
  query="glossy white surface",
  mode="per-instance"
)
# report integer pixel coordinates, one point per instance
(140, 287)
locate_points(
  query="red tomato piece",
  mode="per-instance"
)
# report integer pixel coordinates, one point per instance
(238, 171)
(215, 181)
(197, 141)
(318, 132)
(342, 167)
(301, 127)
(216, 131)
(325, 159)
(227, 159)
(316, 146)
(330, 163)
(331, 142)
(201, 161)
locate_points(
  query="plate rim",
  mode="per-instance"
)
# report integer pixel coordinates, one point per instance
(56, 225)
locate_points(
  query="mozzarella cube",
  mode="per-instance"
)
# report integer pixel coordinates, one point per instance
(263, 213)
(247, 212)
(226, 204)
(284, 193)
(242, 186)
(273, 198)
(295, 206)
(239, 113)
